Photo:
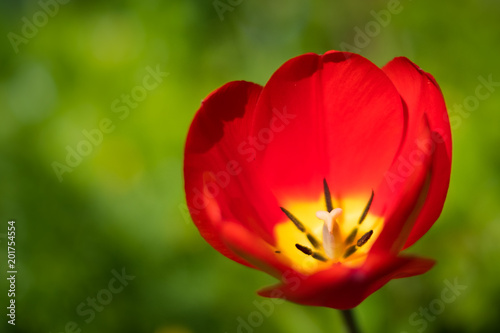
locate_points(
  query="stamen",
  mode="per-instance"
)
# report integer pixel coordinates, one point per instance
(350, 250)
(309, 252)
(328, 196)
(334, 245)
(295, 221)
(304, 249)
(318, 256)
(364, 238)
(351, 236)
(367, 208)
(314, 242)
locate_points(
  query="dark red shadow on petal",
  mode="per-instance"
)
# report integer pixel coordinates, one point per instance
(341, 287)
(225, 104)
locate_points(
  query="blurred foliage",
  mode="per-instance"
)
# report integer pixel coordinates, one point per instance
(120, 206)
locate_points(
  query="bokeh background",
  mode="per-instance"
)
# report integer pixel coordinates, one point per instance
(121, 206)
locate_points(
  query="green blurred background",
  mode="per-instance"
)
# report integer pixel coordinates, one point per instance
(121, 206)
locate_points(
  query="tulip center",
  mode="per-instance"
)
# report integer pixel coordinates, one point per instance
(338, 236)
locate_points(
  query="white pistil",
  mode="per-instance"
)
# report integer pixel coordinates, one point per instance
(332, 237)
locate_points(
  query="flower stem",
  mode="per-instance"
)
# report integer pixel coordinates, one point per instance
(349, 321)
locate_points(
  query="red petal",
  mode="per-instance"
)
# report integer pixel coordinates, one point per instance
(336, 116)
(422, 94)
(254, 250)
(436, 195)
(417, 181)
(216, 174)
(341, 287)
(441, 164)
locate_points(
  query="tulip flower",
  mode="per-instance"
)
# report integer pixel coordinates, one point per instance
(322, 177)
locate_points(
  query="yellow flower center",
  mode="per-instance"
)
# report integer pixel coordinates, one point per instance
(339, 235)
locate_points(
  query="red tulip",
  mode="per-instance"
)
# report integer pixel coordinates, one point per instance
(323, 176)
